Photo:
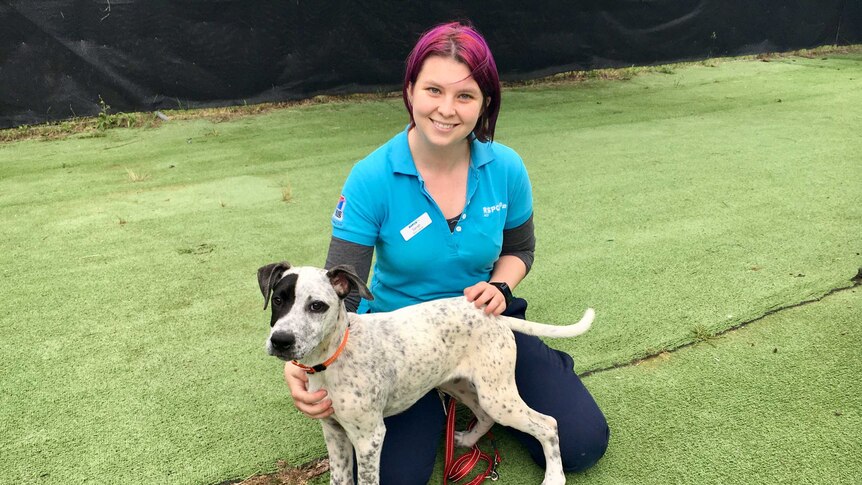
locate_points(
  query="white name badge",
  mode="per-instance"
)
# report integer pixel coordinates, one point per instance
(416, 226)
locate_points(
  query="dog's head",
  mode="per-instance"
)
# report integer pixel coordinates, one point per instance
(306, 303)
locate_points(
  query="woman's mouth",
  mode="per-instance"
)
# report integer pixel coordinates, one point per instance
(443, 126)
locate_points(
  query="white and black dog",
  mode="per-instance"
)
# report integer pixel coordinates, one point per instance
(379, 364)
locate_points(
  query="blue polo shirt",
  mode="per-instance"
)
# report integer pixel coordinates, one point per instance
(384, 204)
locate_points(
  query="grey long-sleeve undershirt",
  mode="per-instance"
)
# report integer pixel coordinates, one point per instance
(519, 241)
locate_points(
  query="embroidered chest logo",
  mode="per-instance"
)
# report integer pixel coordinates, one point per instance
(494, 208)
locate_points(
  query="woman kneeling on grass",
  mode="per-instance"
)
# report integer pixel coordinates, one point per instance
(450, 213)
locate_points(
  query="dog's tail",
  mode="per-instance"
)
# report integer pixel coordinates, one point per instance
(555, 331)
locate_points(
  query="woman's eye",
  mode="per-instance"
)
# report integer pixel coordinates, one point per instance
(433, 90)
(318, 307)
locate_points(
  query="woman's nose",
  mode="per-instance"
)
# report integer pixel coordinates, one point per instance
(446, 107)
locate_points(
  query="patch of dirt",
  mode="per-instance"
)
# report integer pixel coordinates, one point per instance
(288, 475)
(654, 361)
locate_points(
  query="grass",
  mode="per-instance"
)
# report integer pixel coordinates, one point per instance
(286, 191)
(774, 402)
(135, 176)
(678, 204)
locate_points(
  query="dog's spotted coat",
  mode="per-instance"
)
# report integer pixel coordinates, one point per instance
(393, 359)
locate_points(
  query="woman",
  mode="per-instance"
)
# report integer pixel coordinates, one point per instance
(449, 212)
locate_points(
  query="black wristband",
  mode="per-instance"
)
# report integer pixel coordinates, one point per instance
(505, 290)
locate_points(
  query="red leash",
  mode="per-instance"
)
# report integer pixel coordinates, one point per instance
(462, 466)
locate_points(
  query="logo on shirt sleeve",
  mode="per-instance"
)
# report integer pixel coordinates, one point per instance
(338, 215)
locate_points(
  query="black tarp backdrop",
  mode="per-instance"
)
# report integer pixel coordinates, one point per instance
(57, 57)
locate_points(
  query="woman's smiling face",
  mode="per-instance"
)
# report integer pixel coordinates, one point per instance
(446, 101)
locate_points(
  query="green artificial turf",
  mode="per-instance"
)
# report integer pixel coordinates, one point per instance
(711, 195)
(778, 401)
(677, 204)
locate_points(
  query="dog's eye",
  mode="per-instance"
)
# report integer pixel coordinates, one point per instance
(317, 307)
(276, 301)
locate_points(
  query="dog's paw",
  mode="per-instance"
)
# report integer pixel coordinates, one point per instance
(465, 439)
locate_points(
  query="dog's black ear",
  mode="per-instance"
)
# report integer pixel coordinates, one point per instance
(267, 277)
(344, 279)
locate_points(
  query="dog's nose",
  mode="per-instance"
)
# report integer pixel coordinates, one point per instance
(282, 340)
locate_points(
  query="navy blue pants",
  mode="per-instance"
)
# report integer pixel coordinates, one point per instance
(546, 381)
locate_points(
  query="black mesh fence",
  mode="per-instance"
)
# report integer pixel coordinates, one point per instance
(57, 57)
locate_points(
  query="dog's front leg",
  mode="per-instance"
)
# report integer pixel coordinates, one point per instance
(340, 452)
(368, 442)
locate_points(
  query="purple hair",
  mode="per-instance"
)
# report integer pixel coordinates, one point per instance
(464, 44)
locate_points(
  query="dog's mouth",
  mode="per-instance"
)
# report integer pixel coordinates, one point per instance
(286, 355)
(283, 356)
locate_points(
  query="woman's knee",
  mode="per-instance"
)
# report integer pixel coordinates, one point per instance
(548, 384)
(586, 450)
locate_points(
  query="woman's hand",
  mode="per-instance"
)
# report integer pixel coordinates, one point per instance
(312, 404)
(484, 293)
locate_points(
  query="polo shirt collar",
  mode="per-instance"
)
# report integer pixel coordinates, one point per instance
(402, 160)
(480, 153)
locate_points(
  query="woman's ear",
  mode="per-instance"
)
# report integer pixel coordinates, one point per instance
(410, 93)
(486, 102)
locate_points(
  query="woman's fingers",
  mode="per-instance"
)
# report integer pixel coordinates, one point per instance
(487, 295)
(313, 404)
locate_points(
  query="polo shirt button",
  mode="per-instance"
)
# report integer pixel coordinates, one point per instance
(458, 229)
(463, 216)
